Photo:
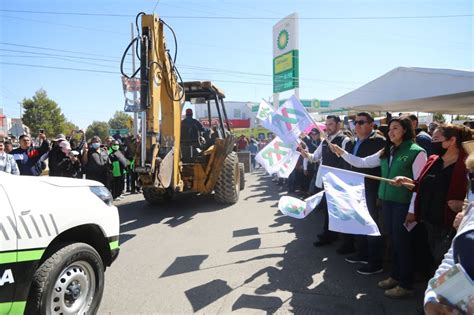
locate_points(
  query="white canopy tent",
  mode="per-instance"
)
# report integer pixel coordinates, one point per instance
(414, 90)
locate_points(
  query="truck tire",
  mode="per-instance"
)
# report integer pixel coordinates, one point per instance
(242, 176)
(228, 185)
(69, 281)
(154, 196)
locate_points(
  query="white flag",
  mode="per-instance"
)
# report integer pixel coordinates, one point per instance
(275, 154)
(265, 111)
(290, 120)
(288, 167)
(347, 208)
(299, 209)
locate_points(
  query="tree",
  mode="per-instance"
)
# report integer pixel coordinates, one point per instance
(438, 117)
(121, 120)
(98, 128)
(462, 117)
(41, 112)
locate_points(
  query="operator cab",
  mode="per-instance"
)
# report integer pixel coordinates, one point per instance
(197, 138)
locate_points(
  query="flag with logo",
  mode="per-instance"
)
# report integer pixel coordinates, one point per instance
(347, 207)
(290, 120)
(297, 208)
(275, 154)
(264, 114)
(288, 167)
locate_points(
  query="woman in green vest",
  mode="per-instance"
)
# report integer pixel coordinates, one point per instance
(401, 157)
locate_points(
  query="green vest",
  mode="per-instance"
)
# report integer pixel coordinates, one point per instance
(401, 165)
(116, 171)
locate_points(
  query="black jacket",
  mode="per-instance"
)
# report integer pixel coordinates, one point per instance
(369, 146)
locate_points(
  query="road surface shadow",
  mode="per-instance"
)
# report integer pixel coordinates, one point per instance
(320, 280)
(138, 214)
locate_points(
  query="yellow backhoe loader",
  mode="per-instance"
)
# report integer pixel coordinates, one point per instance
(168, 163)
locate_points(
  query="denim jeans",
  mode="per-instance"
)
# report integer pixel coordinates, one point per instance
(402, 247)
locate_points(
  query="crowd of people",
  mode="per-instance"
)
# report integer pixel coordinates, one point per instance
(418, 210)
(111, 163)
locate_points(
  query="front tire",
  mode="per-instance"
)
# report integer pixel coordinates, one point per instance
(227, 188)
(69, 281)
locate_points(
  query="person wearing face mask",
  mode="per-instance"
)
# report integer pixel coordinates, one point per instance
(96, 162)
(119, 165)
(401, 156)
(460, 251)
(439, 192)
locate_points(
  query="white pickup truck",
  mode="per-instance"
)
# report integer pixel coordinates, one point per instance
(57, 235)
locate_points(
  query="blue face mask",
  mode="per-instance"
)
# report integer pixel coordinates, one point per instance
(95, 145)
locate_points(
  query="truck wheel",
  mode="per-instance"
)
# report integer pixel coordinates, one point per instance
(155, 196)
(69, 281)
(242, 176)
(228, 185)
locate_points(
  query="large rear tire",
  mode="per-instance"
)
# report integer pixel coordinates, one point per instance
(228, 185)
(69, 281)
(242, 175)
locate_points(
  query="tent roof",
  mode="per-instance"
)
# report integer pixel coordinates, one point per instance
(414, 89)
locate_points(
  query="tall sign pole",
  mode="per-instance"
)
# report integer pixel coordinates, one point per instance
(285, 57)
(135, 114)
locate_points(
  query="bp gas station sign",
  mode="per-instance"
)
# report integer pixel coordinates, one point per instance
(285, 54)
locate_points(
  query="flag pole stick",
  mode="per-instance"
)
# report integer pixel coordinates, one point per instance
(382, 179)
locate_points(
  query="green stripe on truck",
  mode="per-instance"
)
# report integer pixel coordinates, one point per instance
(12, 307)
(114, 245)
(19, 256)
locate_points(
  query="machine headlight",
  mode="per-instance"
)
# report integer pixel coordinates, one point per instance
(103, 193)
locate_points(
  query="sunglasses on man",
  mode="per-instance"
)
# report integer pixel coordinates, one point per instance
(360, 122)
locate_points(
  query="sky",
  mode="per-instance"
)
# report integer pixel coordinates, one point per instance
(342, 45)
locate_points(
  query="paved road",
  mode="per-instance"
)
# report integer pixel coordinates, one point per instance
(194, 255)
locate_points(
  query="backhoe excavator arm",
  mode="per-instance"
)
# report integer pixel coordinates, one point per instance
(160, 99)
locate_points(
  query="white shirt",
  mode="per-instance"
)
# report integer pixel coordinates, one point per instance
(374, 161)
(8, 164)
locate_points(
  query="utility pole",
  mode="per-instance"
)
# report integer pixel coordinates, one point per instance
(135, 114)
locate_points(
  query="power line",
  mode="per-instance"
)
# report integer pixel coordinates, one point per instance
(320, 18)
(118, 73)
(58, 68)
(208, 69)
(250, 17)
(68, 13)
(157, 1)
(57, 55)
(62, 24)
(55, 49)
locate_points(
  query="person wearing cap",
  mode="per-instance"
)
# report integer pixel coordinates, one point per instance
(7, 163)
(28, 157)
(96, 163)
(68, 164)
(55, 154)
(191, 129)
